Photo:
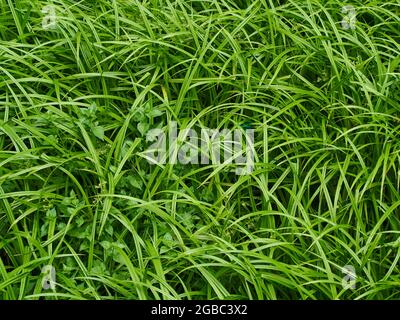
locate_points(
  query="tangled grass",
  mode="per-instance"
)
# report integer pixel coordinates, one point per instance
(76, 192)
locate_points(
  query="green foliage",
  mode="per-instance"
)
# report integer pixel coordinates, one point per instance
(76, 103)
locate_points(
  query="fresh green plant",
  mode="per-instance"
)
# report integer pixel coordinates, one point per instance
(77, 99)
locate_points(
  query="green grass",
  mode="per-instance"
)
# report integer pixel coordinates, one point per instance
(77, 193)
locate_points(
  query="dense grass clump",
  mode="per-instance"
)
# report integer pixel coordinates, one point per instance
(77, 193)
